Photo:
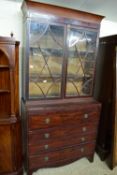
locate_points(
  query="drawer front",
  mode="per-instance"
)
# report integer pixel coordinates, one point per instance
(61, 156)
(51, 120)
(55, 144)
(35, 137)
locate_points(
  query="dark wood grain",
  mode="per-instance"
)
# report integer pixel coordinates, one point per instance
(114, 153)
(65, 132)
(61, 156)
(105, 92)
(41, 8)
(47, 145)
(61, 132)
(6, 163)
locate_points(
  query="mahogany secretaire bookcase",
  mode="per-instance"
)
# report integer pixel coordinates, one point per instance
(59, 114)
(10, 122)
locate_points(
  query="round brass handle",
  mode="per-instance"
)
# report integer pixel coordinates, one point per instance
(47, 120)
(83, 139)
(46, 135)
(86, 116)
(46, 147)
(46, 158)
(84, 129)
(82, 150)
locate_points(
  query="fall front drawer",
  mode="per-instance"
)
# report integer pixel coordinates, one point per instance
(46, 120)
(61, 156)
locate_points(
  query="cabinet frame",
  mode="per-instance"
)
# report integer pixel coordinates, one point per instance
(59, 117)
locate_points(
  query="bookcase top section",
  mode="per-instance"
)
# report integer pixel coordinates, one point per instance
(31, 7)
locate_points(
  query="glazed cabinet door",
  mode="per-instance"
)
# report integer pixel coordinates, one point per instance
(61, 60)
(81, 44)
(46, 44)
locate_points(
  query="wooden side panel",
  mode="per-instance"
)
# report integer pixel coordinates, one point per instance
(114, 159)
(16, 75)
(18, 145)
(115, 145)
(6, 164)
(105, 92)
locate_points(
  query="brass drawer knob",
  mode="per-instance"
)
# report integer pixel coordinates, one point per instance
(84, 129)
(46, 158)
(82, 150)
(46, 147)
(86, 116)
(46, 135)
(83, 139)
(47, 120)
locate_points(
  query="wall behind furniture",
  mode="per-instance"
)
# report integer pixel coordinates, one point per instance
(11, 19)
(108, 28)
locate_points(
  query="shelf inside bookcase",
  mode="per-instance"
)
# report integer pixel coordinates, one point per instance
(4, 66)
(4, 91)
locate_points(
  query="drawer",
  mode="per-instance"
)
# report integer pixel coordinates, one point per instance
(51, 120)
(35, 137)
(61, 157)
(55, 144)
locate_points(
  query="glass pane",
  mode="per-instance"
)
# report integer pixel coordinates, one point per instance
(45, 62)
(81, 61)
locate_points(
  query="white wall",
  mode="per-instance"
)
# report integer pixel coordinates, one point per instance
(108, 28)
(10, 19)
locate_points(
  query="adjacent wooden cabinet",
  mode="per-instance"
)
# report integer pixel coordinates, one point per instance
(105, 92)
(60, 116)
(10, 123)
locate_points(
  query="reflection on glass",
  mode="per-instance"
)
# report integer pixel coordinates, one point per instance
(80, 70)
(45, 62)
